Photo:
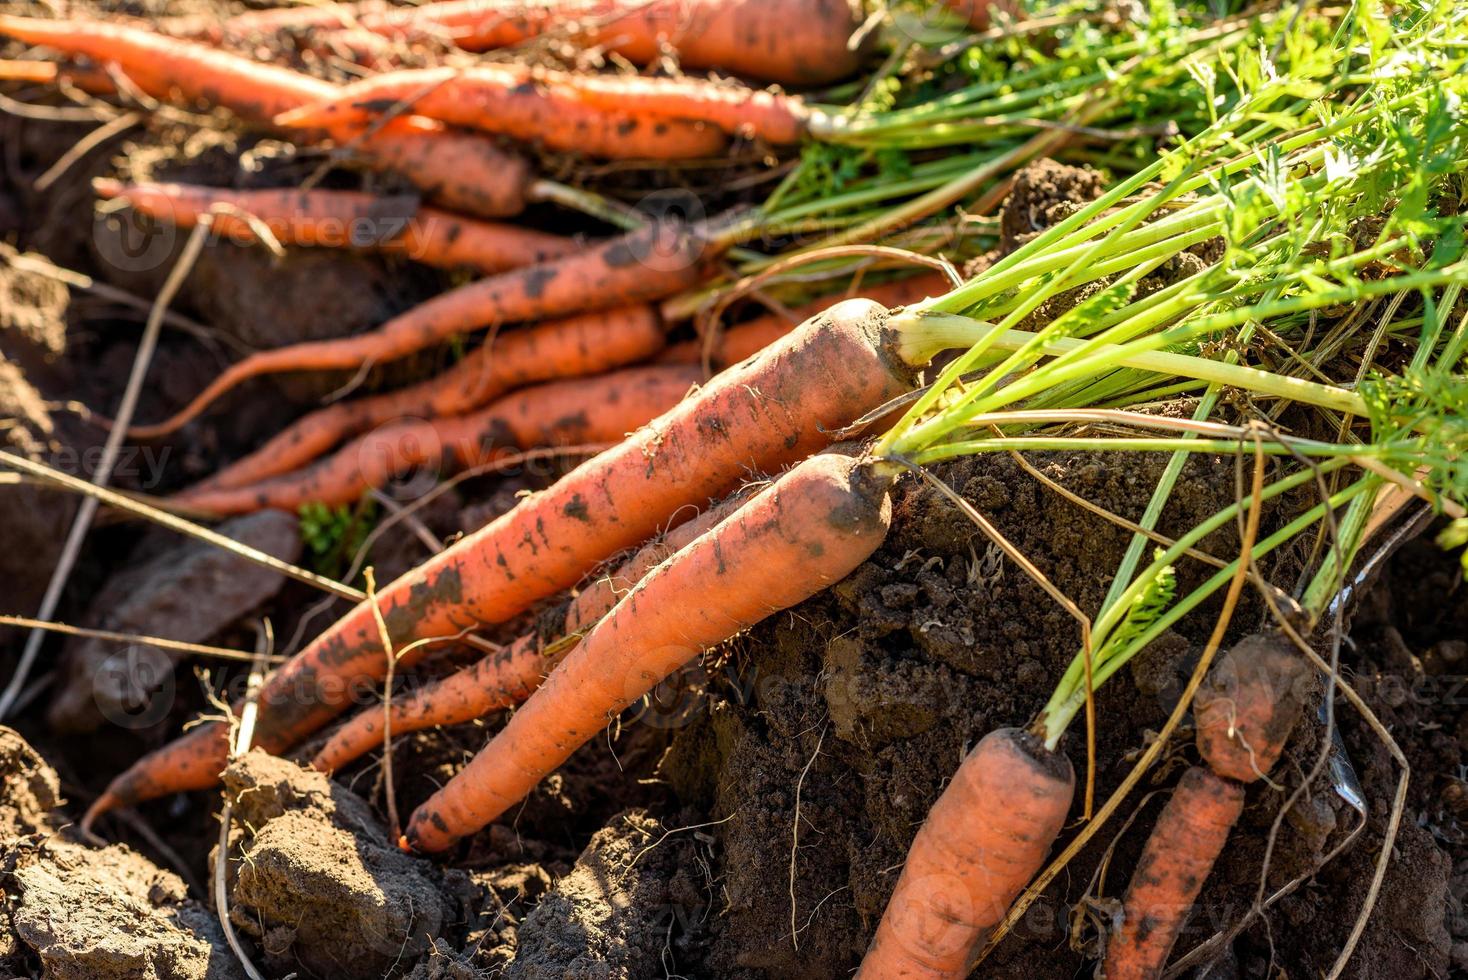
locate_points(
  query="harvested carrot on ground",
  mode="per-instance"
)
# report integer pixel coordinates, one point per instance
(648, 264)
(764, 414)
(507, 678)
(51, 73)
(566, 348)
(603, 115)
(1244, 713)
(797, 42)
(535, 108)
(810, 528)
(461, 170)
(980, 845)
(561, 413)
(346, 219)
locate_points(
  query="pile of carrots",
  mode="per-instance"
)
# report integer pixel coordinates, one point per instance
(723, 476)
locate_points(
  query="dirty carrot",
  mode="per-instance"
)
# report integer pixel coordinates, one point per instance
(755, 418)
(567, 348)
(561, 413)
(810, 528)
(346, 219)
(461, 170)
(511, 101)
(1244, 713)
(980, 845)
(507, 678)
(651, 263)
(604, 115)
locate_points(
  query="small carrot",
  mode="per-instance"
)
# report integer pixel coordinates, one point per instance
(507, 678)
(52, 73)
(346, 219)
(461, 170)
(981, 844)
(511, 101)
(603, 115)
(1244, 713)
(648, 264)
(797, 42)
(755, 418)
(571, 347)
(811, 527)
(560, 413)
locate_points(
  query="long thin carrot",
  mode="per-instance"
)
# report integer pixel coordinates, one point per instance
(982, 842)
(797, 42)
(1244, 713)
(507, 678)
(512, 101)
(561, 413)
(603, 115)
(655, 261)
(755, 418)
(571, 347)
(811, 527)
(745, 339)
(346, 219)
(51, 72)
(461, 170)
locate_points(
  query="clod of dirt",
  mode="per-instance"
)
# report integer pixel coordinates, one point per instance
(630, 892)
(190, 592)
(1045, 193)
(32, 313)
(72, 912)
(317, 883)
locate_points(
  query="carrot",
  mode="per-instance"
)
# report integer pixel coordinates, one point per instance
(504, 679)
(345, 219)
(980, 13)
(604, 115)
(813, 526)
(567, 348)
(796, 42)
(461, 170)
(745, 339)
(650, 263)
(512, 101)
(561, 413)
(766, 413)
(980, 845)
(51, 73)
(1244, 713)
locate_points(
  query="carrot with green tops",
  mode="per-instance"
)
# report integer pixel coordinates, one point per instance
(461, 170)
(766, 413)
(345, 219)
(796, 42)
(561, 413)
(504, 679)
(533, 107)
(572, 347)
(1244, 713)
(813, 526)
(648, 264)
(602, 115)
(981, 843)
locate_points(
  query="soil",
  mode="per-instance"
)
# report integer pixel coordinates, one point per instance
(750, 820)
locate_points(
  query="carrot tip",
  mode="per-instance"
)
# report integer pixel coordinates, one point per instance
(404, 845)
(107, 187)
(303, 117)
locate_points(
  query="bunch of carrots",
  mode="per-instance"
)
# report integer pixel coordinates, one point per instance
(1266, 193)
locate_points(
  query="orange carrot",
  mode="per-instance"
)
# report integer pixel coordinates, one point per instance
(51, 73)
(561, 413)
(346, 219)
(513, 101)
(603, 115)
(813, 526)
(797, 42)
(507, 678)
(650, 263)
(980, 13)
(1244, 713)
(755, 418)
(980, 845)
(567, 348)
(461, 170)
(745, 339)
